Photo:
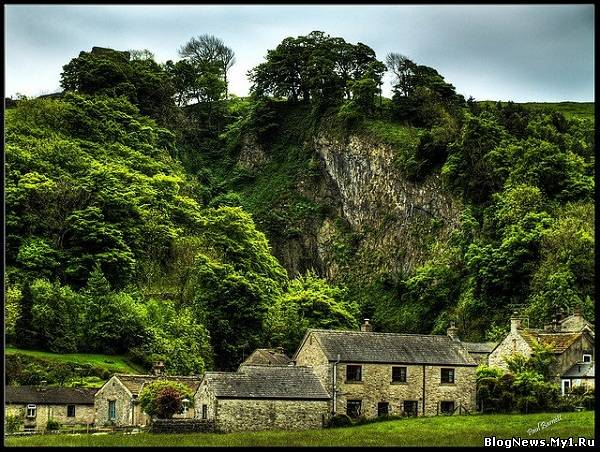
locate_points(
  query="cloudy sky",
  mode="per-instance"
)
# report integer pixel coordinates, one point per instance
(509, 52)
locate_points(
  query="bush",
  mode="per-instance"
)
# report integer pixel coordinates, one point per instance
(339, 420)
(163, 398)
(13, 423)
(52, 424)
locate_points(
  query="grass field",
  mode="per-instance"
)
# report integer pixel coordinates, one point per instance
(113, 363)
(431, 431)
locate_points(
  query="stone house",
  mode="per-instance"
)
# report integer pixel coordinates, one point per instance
(116, 401)
(262, 398)
(480, 351)
(38, 404)
(267, 357)
(572, 341)
(372, 374)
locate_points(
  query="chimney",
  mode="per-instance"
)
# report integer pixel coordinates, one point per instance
(452, 332)
(366, 327)
(577, 312)
(279, 350)
(515, 322)
(158, 368)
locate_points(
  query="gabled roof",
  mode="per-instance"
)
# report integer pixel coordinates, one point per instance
(479, 347)
(267, 382)
(50, 395)
(557, 341)
(267, 357)
(580, 370)
(135, 383)
(369, 347)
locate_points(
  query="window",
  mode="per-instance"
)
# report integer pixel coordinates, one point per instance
(447, 407)
(411, 407)
(399, 374)
(587, 358)
(353, 373)
(204, 411)
(353, 408)
(31, 411)
(383, 409)
(112, 410)
(447, 375)
(70, 410)
(566, 385)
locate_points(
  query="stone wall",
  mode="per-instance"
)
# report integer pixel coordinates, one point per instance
(512, 343)
(114, 390)
(572, 355)
(84, 414)
(313, 356)
(181, 426)
(377, 386)
(258, 414)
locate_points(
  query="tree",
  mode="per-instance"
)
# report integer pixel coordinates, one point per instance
(164, 398)
(404, 71)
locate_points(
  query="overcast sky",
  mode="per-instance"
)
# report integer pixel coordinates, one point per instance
(508, 52)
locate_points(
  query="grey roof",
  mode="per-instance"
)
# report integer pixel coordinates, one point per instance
(369, 347)
(135, 383)
(480, 347)
(267, 382)
(580, 370)
(50, 395)
(267, 357)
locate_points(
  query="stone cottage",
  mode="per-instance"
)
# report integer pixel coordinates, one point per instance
(267, 357)
(572, 341)
(116, 402)
(35, 405)
(262, 398)
(373, 374)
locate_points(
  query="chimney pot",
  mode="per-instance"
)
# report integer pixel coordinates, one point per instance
(515, 322)
(366, 326)
(452, 331)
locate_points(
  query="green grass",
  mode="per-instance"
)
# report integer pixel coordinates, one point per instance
(431, 431)
(582, 110)
(396, 135)
(113, 363)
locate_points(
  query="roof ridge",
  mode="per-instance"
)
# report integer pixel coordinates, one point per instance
(382, 333)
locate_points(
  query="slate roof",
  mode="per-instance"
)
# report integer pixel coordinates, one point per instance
(135, 383)
(370, 347)
(267, 357)
(50, 395)
(580, 370)
(267, 382)
(559, 342)
(479, 347)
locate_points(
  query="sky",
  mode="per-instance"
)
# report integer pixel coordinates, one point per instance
(523, 53)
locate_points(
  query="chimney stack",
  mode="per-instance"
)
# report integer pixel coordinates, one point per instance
(158, 368)
(452, 332)
(366, 327)
(515, 322)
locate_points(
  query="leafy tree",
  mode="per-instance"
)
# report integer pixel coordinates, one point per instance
(164, 398)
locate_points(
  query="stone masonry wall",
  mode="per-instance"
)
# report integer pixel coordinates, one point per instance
(512, 343)
(84, 414)
(377, 386)
(114, 390)
(312, 355)
(253, 414)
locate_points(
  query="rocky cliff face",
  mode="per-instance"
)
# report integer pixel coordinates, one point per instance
(376, 221)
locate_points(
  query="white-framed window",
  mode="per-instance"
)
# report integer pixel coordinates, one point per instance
(31, 410)
(566, 385)
(587, 358)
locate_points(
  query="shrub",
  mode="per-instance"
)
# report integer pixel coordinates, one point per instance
(13, 423)
(339, 420)
(52, 424)
(163, 398)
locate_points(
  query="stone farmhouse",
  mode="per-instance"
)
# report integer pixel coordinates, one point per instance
(263, 397)
(38, 404)
(116, 402)
(571, 339)
(372, 374)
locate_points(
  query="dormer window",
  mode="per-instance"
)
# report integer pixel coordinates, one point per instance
(587, 358)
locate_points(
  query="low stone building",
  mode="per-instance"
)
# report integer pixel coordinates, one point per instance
(35, 405)
(572, 342)
(480, 351)
(267, 357)
(116, 402)
(580, 374)
(373, 374)
(262, 398)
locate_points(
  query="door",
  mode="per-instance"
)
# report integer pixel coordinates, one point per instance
(566, 386)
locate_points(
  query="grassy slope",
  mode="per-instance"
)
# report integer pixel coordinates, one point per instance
(436, 431)
(113, 363)
(583, 110)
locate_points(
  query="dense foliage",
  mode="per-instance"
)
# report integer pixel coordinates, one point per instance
(164, 398)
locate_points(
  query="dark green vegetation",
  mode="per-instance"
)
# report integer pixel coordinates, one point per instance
(438, 431)
(143, 203)
(163, 398)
